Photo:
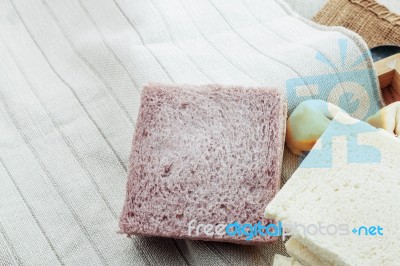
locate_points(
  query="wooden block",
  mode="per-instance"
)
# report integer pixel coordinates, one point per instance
(388, 71)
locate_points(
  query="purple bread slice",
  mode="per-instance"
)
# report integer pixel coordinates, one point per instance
(206, 154)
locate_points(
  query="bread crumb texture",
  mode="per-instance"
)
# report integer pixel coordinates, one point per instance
(208, 153)
(352, 193)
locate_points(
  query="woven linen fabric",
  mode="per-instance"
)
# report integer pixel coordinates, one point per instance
(374, 22)
(71, 73)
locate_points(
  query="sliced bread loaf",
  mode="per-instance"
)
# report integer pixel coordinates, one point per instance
(351, 209)
(303, 254)
(206, 154)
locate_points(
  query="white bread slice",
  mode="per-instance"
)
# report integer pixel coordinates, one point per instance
(302, 254)
(280, 260)
(357, 194)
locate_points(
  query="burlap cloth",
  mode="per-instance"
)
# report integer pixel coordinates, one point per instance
(371, 20)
